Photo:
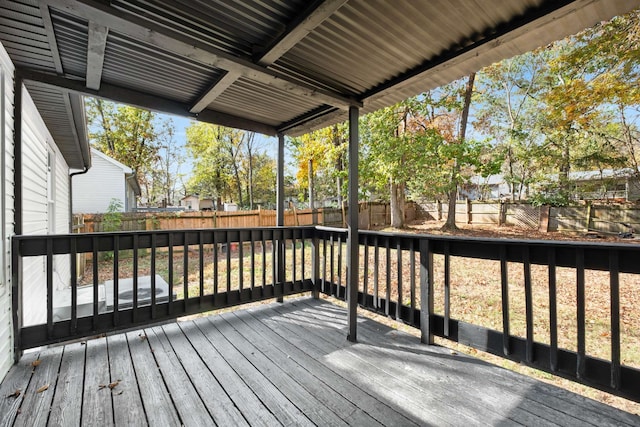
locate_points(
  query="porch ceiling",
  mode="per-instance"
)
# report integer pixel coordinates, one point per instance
(267, 65)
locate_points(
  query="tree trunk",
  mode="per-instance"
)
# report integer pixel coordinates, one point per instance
(453, 192)
(397, 205)
(310, 184)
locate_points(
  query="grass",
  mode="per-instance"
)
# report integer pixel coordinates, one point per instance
(475, 295)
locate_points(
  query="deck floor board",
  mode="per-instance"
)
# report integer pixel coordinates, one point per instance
(280, 364)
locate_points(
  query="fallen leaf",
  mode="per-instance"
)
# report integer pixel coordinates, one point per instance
(114, 384)
(43, 388)
(14, 394)
(36, 363)
(101, 386)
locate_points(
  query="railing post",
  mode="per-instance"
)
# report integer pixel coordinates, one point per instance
(16, 295)
(426, 292)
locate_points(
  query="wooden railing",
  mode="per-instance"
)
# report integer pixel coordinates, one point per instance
(411, 278)
(400, 279)
(199, 270)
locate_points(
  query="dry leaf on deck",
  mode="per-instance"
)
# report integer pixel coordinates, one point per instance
(36, 363)
(114, 384)
(43, 388)
(14, 394)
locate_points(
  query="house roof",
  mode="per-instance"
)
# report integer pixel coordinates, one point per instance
(125, 169)
(270, 66)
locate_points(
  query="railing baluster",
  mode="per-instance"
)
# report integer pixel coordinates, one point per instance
(253, 262)
(504, 280)
(135, 277)
(153, 274)
(324, 266)
(447, 288)
(293, 258)
(116, 279)
(553, 311)
(365, 273)
(580, 316)
(49, 288)
(273, 260)
(240, 263)
(96, 281)
(201, 265)
(528, 298)
(376, 262)
(264, 260)
(426, 292)
(303, 269)
(215, 263)
(185, 269)
(399, 284)
(228, 259)
(74, 286)
(340, 268)
(170, 266)
(387, 247)
(331, 268)
(412, 281)
(614, 278)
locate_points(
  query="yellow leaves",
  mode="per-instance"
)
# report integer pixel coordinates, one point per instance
(36, 363)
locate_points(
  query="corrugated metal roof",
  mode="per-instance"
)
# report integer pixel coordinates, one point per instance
(274, 65)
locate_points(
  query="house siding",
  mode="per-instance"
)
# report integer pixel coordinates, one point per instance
(43, 213)
(89, 199)
(6, 207)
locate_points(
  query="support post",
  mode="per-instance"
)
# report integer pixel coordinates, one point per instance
(352, 242)
(280, 213)
(16, 265)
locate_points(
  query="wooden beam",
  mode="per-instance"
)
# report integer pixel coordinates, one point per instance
(95, 54)
(146, 101)
(179, 44)
(300, 27)
(51, 36)
(315, 15)
(214, 91)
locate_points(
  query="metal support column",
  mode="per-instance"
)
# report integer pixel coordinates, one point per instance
(353, 261)
(280, 212)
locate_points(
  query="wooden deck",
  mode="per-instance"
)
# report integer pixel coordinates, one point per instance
(279, 364)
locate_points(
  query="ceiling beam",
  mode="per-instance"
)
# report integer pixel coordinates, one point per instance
(144, 100)
(172, 41)
(96, 47)
(296, 31)
(51, 37)
(315, 15)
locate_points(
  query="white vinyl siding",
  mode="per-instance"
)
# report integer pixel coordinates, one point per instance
(6, 209)
(94, 190)
(45, 209)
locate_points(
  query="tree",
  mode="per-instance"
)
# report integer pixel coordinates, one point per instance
(229, 164)
(133, 137)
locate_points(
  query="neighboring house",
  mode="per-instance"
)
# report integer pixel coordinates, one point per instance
(207, 205)
(34, 170)
(107, 179)
(191, 202)
(607, 184)
(485, 188)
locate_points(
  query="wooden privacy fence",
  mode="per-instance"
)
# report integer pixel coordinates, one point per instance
(370, 214)
(612, 219)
